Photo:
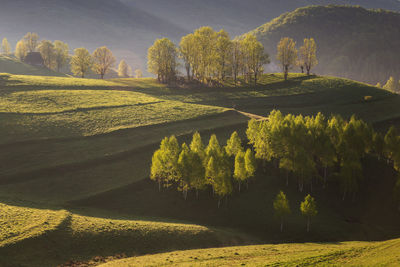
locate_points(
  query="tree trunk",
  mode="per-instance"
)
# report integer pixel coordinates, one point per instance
(286, 73)
(325, 176)
(219, 203)
(239, 186)
(159, 186)
(255, 79)
(197, 194)
(287, 178)
(308, 224)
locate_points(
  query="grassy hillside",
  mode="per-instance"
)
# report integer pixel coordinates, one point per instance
(352, 42)
(36, 237)
(75, 157)
(309, 254)
(11, 65)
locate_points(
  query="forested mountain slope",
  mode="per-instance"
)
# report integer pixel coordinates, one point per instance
(129, 27)
(353, 42)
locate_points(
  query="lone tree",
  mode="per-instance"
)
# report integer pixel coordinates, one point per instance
(123, 69)
(309, 209)
(254, 56)
(31, 41)
(46, 49)
(5, 45)
(103, 60)
(162, 60)
(287, 54)
(138, 73)
(308, 57)
(187, 50)
(281, 207)
(81, 62)
(61, 50)
(21, 50)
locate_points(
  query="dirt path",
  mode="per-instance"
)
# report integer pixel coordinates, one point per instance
(252, 116)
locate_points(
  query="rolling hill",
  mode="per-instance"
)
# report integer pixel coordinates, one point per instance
(129, 27)
(12, 65)
(75, 157)
(352, 42)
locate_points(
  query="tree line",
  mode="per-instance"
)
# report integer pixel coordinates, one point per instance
(308, 149)
(210, 56)
(56, 56)
(313, 147)
(198, 167)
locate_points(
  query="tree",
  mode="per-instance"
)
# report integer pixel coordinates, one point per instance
(391, 85)
(205, 39)
(197, 145)
(187, 50)
(237, 59)
(103, 60)
(21, 50)
(308, 56)
(287, 54)
(61, 51)
(234, 145)
(81, 62)
(197, 172)
(309, 209)
(162, 60)
(254, 56)
(123, 69)
(46, 49)
(218, 174)
(31, 41)
(281, 207)
(164, 167)
(5, 45)
(240, 173)
(223, 54)
(250, 163)
(138, 73)
(184, 170)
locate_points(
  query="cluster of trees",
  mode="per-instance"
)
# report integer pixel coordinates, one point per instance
(207, 56)
(308, 208)
(198, 167)
(56, 56)
(391, 85)
(210, 56)
(289, 56)
(311, 147)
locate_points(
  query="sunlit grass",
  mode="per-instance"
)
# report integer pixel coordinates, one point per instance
(19, 223)
(308, 254)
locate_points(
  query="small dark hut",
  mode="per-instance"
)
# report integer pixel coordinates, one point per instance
(35, 59)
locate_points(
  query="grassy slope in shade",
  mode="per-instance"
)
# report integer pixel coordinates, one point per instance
(51, 238)
(11, 65)
(351, 41)
(308, 254)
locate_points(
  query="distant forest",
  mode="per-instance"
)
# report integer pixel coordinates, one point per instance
(353, 42)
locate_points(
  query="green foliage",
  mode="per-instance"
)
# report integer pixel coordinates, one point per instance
(287, 54)
(281, 207)
(309, 209)
(162, 60)
(81, 62)
(234, 145)
(212, 55)
(103, 61)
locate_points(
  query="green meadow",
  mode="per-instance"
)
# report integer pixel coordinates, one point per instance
(75, 157)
